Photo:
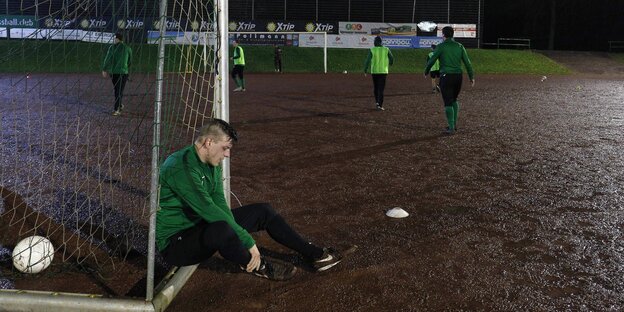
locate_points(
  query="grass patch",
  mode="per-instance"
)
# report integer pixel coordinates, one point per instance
(77, 57)
(301, 60)
(617, 56)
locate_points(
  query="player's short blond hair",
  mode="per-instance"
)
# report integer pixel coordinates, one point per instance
(216, 129)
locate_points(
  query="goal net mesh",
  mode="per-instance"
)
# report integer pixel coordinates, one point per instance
(70, 170)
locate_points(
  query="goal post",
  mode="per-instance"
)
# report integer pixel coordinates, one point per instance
(297, 33)
(87, 179)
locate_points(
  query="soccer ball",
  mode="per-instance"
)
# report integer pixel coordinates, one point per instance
(344, 72)
(33, 254)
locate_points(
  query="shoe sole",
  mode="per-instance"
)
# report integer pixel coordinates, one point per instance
(292, 274)
(329, 266)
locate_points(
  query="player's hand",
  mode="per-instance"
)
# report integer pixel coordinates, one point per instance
(104, 74)
(254, 263)
(472, 83)
(425, 75)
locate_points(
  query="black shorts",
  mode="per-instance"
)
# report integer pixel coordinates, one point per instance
(238, 71)
(198, 243)
(434, 74)
(450, 85)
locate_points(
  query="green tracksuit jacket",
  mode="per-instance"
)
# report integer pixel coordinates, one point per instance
(451, 54)
(118, 59)
(191, 191)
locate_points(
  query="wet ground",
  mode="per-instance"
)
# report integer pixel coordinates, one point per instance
(521, 210)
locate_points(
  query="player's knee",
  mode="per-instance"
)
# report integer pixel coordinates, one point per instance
(267, 210)
(222, 234)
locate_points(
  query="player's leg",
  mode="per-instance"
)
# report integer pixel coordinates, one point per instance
(122, 87)
(262, 217)
(382, 88)
(456, 102)
(375, 89)
(435, 75)
(116, 79)
(447, 89)
(377, 84)
(200, 242)
(235, 74)
(242, 78)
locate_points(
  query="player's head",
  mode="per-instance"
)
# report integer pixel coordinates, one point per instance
(217, 129)
(377, 41)
(235, 43)
(433, 46)
(448, 32)
(118, 36)
(215, 140)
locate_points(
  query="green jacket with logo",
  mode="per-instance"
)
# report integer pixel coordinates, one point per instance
(192, 192)
(118, 59)
(451, 54)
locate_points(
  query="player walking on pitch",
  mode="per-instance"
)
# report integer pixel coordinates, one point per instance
(239, 66)
(435, 71)
(451, 54)
(118, 59)
(277, 58)
(194, 220)
(377, 62)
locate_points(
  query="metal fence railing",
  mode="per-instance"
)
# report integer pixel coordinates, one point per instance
(616, 46)
(509, 43)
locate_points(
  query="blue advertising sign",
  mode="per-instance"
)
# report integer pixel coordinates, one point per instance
(414, 42)
(58, 22)
(18, 21)
(397, 42)
(98, 23)
(132, 23)
(425, 42)
(170, 24)
(283, 26)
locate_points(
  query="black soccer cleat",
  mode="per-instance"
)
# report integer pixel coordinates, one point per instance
(329, 259)
(274, 270)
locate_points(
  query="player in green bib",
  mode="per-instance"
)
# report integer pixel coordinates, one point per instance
(435, 71)
(451, 55)
(239, 66)
(377, 62)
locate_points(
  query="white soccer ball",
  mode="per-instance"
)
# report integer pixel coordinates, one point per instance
(33, 254)
(344, 72)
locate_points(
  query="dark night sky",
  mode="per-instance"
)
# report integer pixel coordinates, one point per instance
(580, 24)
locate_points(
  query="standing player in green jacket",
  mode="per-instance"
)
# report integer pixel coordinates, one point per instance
(451, 55)
(377, 62)
(239, 66)
(194, 220)
(118, 59)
